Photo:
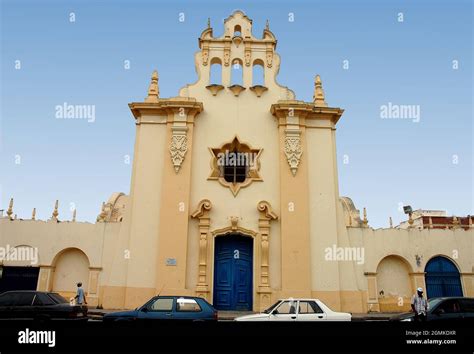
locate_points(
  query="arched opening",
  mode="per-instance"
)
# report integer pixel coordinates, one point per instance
(258, 73)
(237, 73)
(393, 284)
(70, 267)
(215, 75)
(233, 272)
(442, 278)
(237, 31)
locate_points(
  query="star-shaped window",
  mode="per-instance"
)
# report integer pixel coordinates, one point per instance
(235, 165)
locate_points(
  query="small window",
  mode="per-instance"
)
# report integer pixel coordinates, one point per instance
(215, 73)
(187, 305)
(165, 304)
(258, 73)
(237, 31)
(286, 308)
(236, 167)
(237, 74)
(307, 307)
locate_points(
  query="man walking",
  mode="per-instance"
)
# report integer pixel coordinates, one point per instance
(81, 297)
(419, 305)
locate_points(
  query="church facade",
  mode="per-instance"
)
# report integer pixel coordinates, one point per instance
(234, 197)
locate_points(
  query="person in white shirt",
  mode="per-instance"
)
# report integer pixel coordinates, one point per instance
(419, 305)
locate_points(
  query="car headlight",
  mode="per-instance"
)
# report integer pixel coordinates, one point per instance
(409, 319)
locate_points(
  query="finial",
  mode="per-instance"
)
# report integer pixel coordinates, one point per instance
(74, 215)
(267, 25)
(318, 97)
(208, 22)
(390, 222)
(410, 220)
(15, 217)
(55, 211)
(455, 222)
(10, 209)
(365, 221)
(33, 214)
(101, 217)
(153, 89)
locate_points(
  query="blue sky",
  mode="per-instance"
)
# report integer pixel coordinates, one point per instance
(428, 164)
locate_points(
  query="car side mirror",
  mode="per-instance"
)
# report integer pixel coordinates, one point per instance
(144, 309)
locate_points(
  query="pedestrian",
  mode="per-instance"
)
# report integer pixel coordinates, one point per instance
(81, 297)
(419, 305)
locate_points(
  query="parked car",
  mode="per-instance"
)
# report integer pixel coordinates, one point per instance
(184, 308)
(38, 305)
(444, 308)
(298, 310)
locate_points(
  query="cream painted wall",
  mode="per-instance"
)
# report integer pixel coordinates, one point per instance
(71, 267)
(393, 277)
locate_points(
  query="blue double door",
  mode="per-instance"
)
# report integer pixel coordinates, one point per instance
(442, 278)
(233, 258)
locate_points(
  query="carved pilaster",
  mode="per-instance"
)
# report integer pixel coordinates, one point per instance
(227, 53)
(293, 149)
(202, 214)
(247, 53)
(205, 54)
(178, 146)
(269, 56)
(266, 216)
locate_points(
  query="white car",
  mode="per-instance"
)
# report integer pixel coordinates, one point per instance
(298, 310)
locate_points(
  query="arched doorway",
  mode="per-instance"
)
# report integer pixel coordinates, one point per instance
(71, 266)
(233, 272)
(442, 278)
(393, 284)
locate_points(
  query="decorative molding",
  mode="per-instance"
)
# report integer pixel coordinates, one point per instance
(205, 54)
(227, 54)
(253, 169)
(269, 56)
(266, 216)
(236, 89)
(203, 208)
(266, 211)
(293, 149)
(178, 146)
(215, 88)
(202, 213)
(247, 54)
(258, 90)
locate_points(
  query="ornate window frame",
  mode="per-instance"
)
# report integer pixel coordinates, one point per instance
(252, 174)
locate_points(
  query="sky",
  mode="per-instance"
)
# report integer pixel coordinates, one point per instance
(371, 55)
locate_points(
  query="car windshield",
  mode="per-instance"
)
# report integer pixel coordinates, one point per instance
(270, 309)
(58, 298)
